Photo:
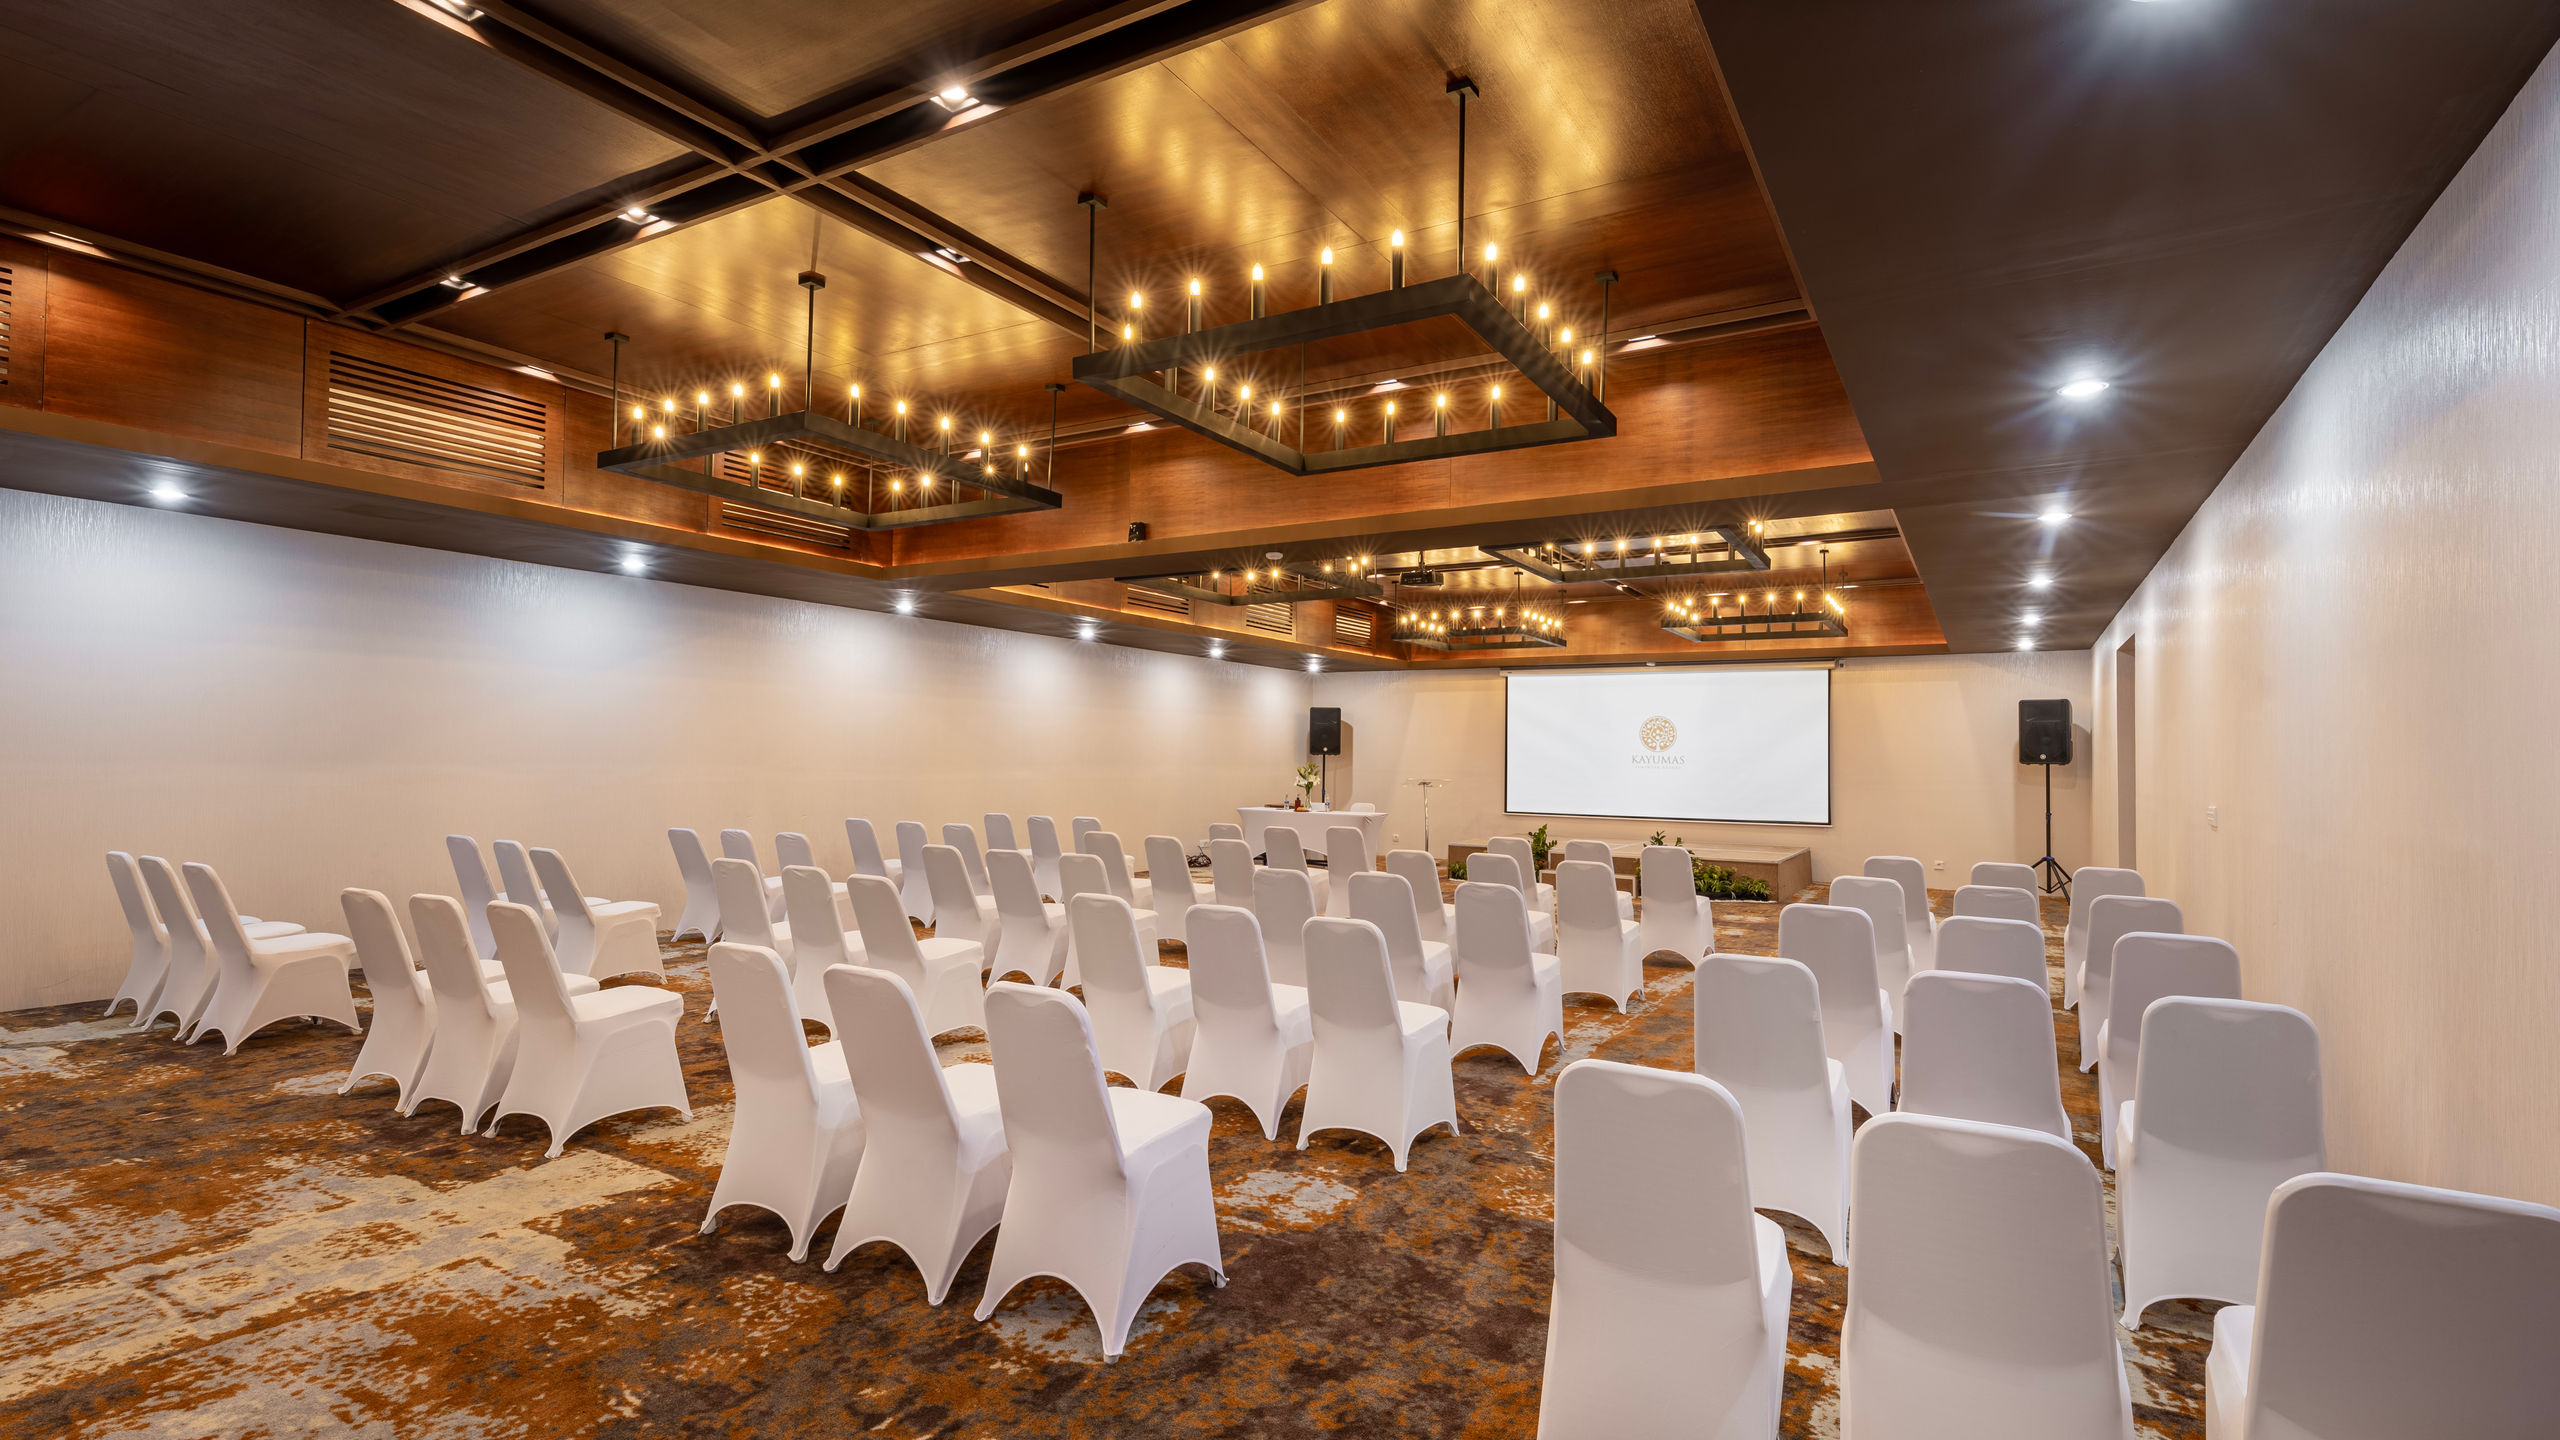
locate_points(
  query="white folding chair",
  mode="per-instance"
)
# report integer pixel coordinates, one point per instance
(913, 891)
(1881, 899)
(1171, 892)
(148, 970)
(471, 877)
(701, 907)
(1658, 1253)
(735, 845)
(1438, 918)
(1078, 828)
(1226, 832)
(263, 981)
(935, 1165)
(1231, 871)
(1997, 902)
(959, 911)
(742, 912)
(1045, 851)
(1000, 833)
(2004, 873)
(1082, 874)
(1117, 865)
(1031, 933)
(2089, 884)
(1346, 854)
(2386, 1311)
(404, 1004)
(1978, 1288)
(1491, 867)
(815, 909)
(192, 969)
(1381, 1065)
(1283, 903)
(796, 1138)
(619, 937)
(474, 1052)
(1985, 946)
(1110, 1186)
(1838, 944)
(1980, 1047)
(1759, 1035)
(965, 840)
(2111, 918)
(1601, 951)
(1920, 928)
(2225, 1108)
(867, 859)
(1677, 920)
(1142, 1021)
(1508, 994)
(1253, 1040)
(1598, 853)
(791, 848)
(1424, 972)
(2150, 967)
(1541, 896)
(580, 1058)
(1283, 849)
(942, 973)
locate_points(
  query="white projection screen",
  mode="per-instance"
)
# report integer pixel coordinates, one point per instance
(1743, 744)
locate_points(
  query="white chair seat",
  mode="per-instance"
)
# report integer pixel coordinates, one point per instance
(269, 929)
(300, 945)
(499, 994)
(626, 1000)
(1419, 1020)
(1171, 988)
(973, 1099)
(1153, 1127)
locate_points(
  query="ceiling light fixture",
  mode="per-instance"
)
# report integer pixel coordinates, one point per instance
(167, 494)
(638, 216)
(2039, 581)
(454, 282)
(906, 604)
(1217, 650)
(954, 98)
(458, 10)
(633, 562)
(2052, 518)
(2085, 388)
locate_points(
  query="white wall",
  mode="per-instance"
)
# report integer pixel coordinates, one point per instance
(1924, 763)
(307, 713)
(2348, 655)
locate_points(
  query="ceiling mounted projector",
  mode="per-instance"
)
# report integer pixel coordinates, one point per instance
(1419, 577)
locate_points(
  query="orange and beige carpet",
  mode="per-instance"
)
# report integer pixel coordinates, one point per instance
(198, 1246)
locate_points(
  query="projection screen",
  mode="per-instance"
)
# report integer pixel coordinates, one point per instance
(1742, 744)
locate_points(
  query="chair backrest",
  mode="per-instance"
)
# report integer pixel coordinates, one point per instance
(743, 916)
(2014, 948)
(769, 1056)
(1651, 1181)
(1587, 898)
(1423, 877)
(1365, 807)
(2390, 1310)
(568, 903)
(817, 931)
(882, 918)
(1168, 881)
(1998, 902)
(1231, 872)
(1080, 827)
(533, 974)
(867, 859)
(999, 831)
(1346, 851)
(790, 848)
(1492, 867)
(1284, 900)
(1350, 985)
(973, 866)
(1595, 851)
(1081, 874)
(740, 845)
(911, 843)
(2113, 917)
(1759, 1024)
(2092, 883)
(1223, 831)
(515, 872)
(1049, 1081)
(1493, 929)
(221, 921)
(445, 953)
(1910, 875)
(471, 875)
(2003, 872)
(880, 1032)
(1017, 893)
(1665, 874)
(1517, 848)
(2231, 1080)
(1230, 975)
(2150, 967)
(955, 903)
(1978, 1280)
(188, 945)
(1044, 837)
(1882, 900)
(1107, 948)
(1980, 1047)
(1385, 900)
(383, 952)
(1104, 846)
(1838, 944)
(139, 917)
(1284, 847)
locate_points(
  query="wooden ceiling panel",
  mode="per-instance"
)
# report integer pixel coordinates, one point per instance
(327, 148)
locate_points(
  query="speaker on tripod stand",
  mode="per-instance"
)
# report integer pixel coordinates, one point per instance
(2044, 738)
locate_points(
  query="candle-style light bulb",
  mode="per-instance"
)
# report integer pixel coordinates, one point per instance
(1324, 277)
(1395, 261)
(737, 397)
(1440, 413)
(657, 432)
(1391, 423)
(946, 434)
(1195, 302)
(1257, 291)
(1137, 304)
(1497, 414)
(1492, 253)
(1339, 416)
(902, 419)
(639, 412)
(1520, 296)
(853, 407)
(772, 395)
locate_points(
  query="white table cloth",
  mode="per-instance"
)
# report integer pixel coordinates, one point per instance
(1310, 825)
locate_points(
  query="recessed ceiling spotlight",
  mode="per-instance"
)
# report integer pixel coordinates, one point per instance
(457, 9)
(167, 494)
(536, 371)
(633, 562)
(454, 282)
(947, 253)
(1217, 650)
(638, 216)
(1645, 342)
(954, 97)
(2054, 517)
(1140, 428)
(906, 605)
(1383, 386)
(2084, 388)
(2030, 619)
(2039, 582)
(2026, 642)
(1084, 632)
(1314, 665)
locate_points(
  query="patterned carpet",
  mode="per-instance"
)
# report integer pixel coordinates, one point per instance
(194, 1246)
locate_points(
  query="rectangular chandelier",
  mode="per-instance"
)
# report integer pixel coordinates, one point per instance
(1571, 408)
(847, 475)
(1278, 585)
(1716, 550)
(1479, 627)
(1688, 621)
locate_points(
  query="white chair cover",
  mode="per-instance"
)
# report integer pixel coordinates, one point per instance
(1677, 920)
(149, 965)
(2111, 918)
(1045, 851)
(1231, 871)
(1491, 867)
(471, 878)
(1346, 854)
(964, 841)
(1437, 918)
(2004, 873)
(1540, 895)
(404, 1005)
(1997, 902)
(1381, 1065)
(796, 1138)
(1602, 952)
(1171, 892)
(1254, 1039)
(959, 911)
(263, 981)
(1985, 946)
(819, 941)
(2089, 884)
(1424, 972)
(1508, 994)
(1117, 868)
(701, 905)
(1838, 944)
(617, 937)
(1919, 926)
(1284, 849)
(1142, 1021)
(913, 891)
(1759, 1035)
(2151, 967)
(580, 1058)
(734, 845)
(867, 859)
(1597, 852)
(1031, 933)
(1283, 903)
(1882, 900)
(943, 974)
(1980, 1047)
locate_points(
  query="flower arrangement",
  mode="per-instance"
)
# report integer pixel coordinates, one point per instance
(1306, 782)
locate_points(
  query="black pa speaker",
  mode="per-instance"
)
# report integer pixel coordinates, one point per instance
(1324, 729)
(2044, 732)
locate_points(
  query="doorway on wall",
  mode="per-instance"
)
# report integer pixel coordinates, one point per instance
(2125, 750)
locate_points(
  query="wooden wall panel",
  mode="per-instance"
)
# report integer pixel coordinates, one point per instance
(320, 340)
(134, 350)
(22, 379)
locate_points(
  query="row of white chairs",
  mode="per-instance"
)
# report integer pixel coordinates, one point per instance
(907, 872)
(213, 970)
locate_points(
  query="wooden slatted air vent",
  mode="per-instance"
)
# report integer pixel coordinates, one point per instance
(1352, 625)
(783, 525)
(1270, 620)
(392, 413)
(1158, 602)
(8, 292)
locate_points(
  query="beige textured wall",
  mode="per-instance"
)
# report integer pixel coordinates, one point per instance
(2348, 656)
(1924, 763)
(307, 713)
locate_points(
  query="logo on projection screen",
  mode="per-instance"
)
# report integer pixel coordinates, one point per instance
(1658, 734)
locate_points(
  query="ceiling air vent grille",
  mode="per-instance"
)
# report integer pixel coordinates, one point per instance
(391, 413)
(1353, 626)
(783, 525)
(1141, 598)
(1269, 619)
(8, 293)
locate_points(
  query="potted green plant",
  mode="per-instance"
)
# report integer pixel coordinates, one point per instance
(1540, 847)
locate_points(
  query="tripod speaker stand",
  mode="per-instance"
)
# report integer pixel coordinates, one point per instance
(2044, 738)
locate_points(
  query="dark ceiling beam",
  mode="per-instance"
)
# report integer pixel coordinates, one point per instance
(1036, 288)
(1064, 311)
(627, 81)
